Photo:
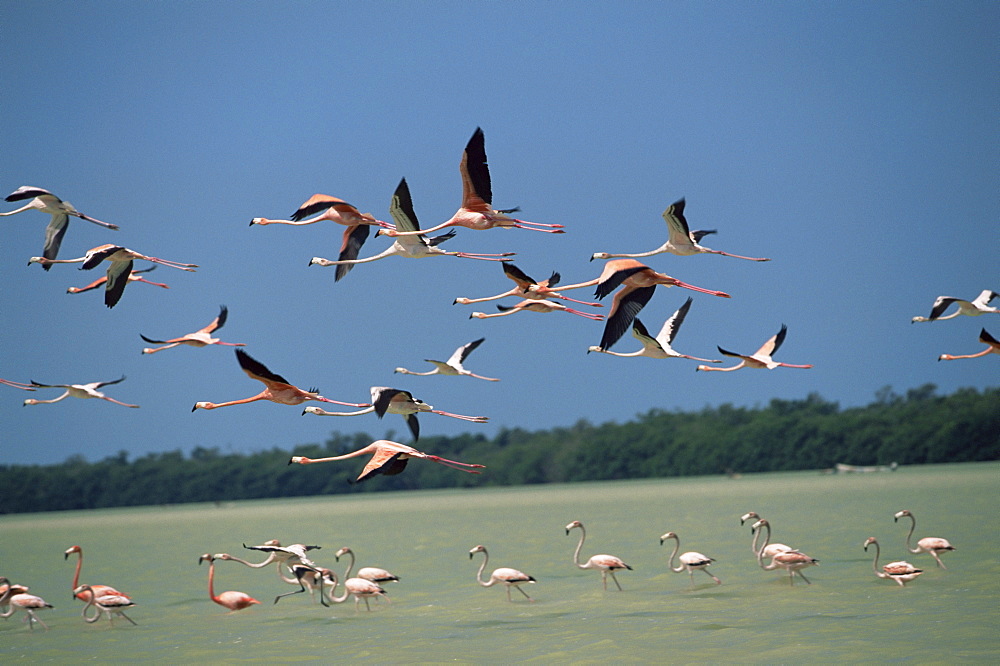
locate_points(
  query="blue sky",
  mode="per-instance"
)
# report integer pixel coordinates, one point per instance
(853, 143)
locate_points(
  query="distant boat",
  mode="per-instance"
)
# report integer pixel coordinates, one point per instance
(842, 468)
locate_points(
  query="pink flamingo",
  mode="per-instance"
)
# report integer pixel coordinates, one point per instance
(542, 306)
(21, 601)
(769, 549)
(108, 604)
(374, 574)
(992, 347)
(134, 276)
(691, 561)
(606, 564)
(930, 545)
(388, 458)
(902, 571)
(99, 590)
(792, 561)
(760, 359)
(526, 287)
(200, 338)
(506, 576)
(359, 588)
(84, 391)
(234, 601)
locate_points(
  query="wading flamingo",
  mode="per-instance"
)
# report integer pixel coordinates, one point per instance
(374, 574)
(769, 549)
(200, 338)
(681, 242)
(410, 246)
(134, 276)
(387, 400)
(326, 208)
(542, 306)
(526, 287)
(306, 577)
(6, 587)
(46, 202)
(508, 577)
(606, 564)
(902, 571)
(277, 389)
(23, 387)
(981, 305)
(121, 260)
(760, 359)
(477, 198)
(388, 458)
(107, 604)
(637, 283)
(99, 590)
(992, 347)
(359, 588)
(691, 561)
(658, 347)
(453, 366)
(931, 545)
(792, 561)
(234, 601)
(78, 391)
(21, 601)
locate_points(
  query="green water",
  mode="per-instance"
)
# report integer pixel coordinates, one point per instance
(439, 614)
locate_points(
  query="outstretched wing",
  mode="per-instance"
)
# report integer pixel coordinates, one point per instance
(477, 191)
(257, 370)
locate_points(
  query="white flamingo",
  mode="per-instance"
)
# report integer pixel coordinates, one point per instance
(21, 601)
(902, 571)
(543, 306)
(84, 391)
(107, 604)
(606, 564)
(359, 588)
(974, 308)
(660, 346)
(374, 574)
(527, 287)
(690, 561)
(792, 561)
(760, 359)
(931, 545)
(508, 577)
(769, 549)
(453, 366)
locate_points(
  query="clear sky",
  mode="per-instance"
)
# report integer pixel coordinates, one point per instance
(856, 144)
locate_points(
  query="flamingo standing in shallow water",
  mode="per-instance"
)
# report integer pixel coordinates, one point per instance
(792, 561)
(388, 458)
(691, 561)
(326, 208)
(902, 571)
(358, 587)
(387, 400)
(121, 261)
(277, 389)
(760, 359)
(374, 574)
(658, 347)
(200, 338)
(78, 391)
(412, 246)
(108, 604)
(99, 590)
(931, 545)
(60, 210)
(453, 366)
(234, 601)
(974, 308)
(508, 577)
(769, 549)
(477, 198)
(543, 306)
(992, 347)
(606, 564)
(134, 276)
(21, 601)
(526, 287)
(681, 242)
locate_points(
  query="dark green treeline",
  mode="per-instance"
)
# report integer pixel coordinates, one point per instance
(917, 428)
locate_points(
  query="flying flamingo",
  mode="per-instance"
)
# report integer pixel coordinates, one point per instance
(543, 306)
(388, 458)
(108, 604)
(282, 555)
(770, 549)
(637, 283)
(134, 276)
(791, 561)
(99, 590)
(374, 574)
(605, 563)
(234, 601)
(658, 347)
(526, 287)
(332, 209)
(508, 577)
(120, 268)
(902, 571)
(759, 359)
(931, 545)
(691, 561)
(200, 338)
(981, 305)
(78, 391)
(387, 400)
(453, 366)
(410, 245)
(307, 577)
(23, 387)
(992, 347)
(60, 210)
(477, 198)
(358, 587)
(277, 389)
(20, 601)
(682, 241)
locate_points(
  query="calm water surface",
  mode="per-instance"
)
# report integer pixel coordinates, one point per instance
(439, 614)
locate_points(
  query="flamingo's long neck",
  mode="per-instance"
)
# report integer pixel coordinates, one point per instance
(767, 540)
(350, 566)
(76, 574)
(913, 526)
(482, 567)
(670, 563)
(211, 581)
(579, 547)
(878, 551)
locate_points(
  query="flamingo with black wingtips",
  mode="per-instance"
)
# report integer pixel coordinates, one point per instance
(992, 347)
(660, 346)
(760, 359)
(84, 391)
(526, 287)
(133, 276)
(388, 458)
(453, 366)
(979, 306)
(200, 338)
